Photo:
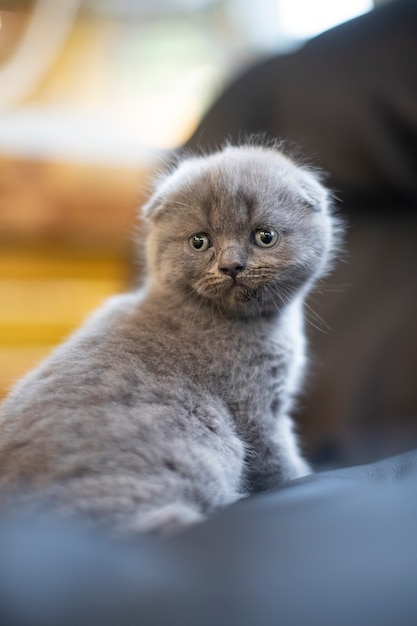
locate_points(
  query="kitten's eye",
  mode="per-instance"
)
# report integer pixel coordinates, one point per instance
(265, 237)
(199, 242)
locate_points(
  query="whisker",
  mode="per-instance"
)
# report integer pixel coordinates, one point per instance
(188, 206)
(322, 288)
(325, 329)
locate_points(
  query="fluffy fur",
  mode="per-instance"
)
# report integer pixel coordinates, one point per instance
(173, 401)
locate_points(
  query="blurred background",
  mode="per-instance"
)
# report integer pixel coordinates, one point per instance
(93, 94)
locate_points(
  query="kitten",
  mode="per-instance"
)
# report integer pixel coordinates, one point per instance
(173, 401)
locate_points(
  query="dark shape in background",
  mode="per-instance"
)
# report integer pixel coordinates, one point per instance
(348, 100)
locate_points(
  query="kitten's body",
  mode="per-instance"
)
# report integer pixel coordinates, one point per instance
(174, 401)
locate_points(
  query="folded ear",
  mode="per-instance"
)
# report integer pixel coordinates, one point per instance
(167, 185)
(153, 206)
(312, 191)
(160, 190)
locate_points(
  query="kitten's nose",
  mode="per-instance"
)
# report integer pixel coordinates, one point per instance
(232, 269)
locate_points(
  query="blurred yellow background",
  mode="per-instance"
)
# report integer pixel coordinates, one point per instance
(65, 246)
(92, 96)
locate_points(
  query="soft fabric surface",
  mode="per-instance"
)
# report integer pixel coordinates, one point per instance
(336, 548)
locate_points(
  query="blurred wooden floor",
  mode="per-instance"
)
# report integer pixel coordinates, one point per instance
(66, 244)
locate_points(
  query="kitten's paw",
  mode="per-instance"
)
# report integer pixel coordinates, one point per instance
(299, 469)
(165, 520)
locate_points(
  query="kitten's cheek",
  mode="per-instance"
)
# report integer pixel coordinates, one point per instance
(200, 288)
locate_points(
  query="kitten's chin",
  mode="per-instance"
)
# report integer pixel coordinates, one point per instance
(240, 294)
(246, 302)
(233, 299)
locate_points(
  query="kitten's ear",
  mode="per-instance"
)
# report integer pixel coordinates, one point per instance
(313, 192)
(160, 188)
(164, 185)
(153, 206)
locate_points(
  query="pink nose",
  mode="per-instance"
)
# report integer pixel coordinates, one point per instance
(232, 269)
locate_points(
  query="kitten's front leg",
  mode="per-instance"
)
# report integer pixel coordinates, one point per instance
(276, 458)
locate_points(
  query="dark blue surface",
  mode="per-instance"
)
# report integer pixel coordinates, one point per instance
(336, 548)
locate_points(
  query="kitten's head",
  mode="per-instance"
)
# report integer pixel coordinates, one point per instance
(244, 229)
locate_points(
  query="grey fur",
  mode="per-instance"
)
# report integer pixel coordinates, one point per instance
(173, 401)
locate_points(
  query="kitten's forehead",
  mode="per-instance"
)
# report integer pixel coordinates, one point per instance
(236, 169)
(238, 179)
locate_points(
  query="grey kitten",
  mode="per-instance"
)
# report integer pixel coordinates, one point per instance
(173, 401)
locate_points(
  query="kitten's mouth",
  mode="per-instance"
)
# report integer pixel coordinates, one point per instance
(239, 291)
(235, 282)
(230, 291)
